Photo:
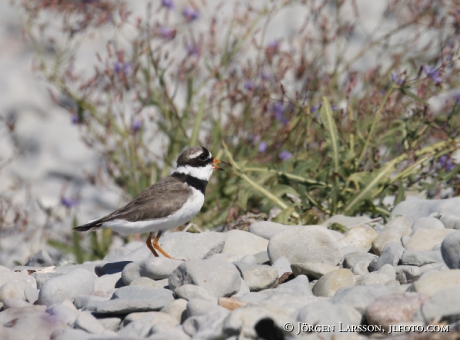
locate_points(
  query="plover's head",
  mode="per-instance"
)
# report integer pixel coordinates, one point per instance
(197, 162)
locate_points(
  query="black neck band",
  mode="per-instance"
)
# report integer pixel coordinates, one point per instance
(198, 184)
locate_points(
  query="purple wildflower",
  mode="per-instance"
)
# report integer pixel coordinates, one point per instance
(334, 108)
(278, 110)
(76, 119)
(315, 108)
(248, 85)
(273, 47)
(265, 76)
(166, 32)
(262, 146)
(193, 50)
(136, 125)
(446, 163)
(432, 73)
(190, 14)
(169, 4)
(284, 155)
(122, 67)
(69, 202)
(457, 99)
(395, 79)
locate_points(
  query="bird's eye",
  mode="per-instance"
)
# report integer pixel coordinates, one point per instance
(202, 156)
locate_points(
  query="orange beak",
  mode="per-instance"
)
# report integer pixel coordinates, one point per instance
(217, 161)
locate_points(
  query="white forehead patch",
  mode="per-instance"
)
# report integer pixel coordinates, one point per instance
(196, 154)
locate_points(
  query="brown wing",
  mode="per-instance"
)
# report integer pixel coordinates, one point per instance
(157, 201)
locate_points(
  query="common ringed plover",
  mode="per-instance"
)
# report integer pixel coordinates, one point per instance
(168, 204)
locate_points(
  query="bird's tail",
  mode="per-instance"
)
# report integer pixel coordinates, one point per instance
(90, 226)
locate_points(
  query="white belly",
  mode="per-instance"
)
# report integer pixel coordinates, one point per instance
(191, 207)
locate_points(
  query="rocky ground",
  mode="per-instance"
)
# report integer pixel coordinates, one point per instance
(270, 282)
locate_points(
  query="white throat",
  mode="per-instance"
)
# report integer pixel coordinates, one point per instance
(204, 173)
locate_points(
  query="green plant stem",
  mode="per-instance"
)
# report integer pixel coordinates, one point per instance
(376, 118)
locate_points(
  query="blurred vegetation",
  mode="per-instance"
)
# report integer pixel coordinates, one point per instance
(329, 119)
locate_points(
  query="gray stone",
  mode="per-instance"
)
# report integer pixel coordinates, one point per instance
(42, 277)
(189, 292)
(242, 321)
(143, 293)
(450, 250)
(331, 282)
(351, 259)
(407, 274)
(428, 223)
(10, 291)
(66, 287)
(111, 324)
(312, 244)
(299, 285)
(106, 284)
(404, 240)
(141, 326)
(70, 334)
(425, 239)
(285, 299)
(138, 251)
(15, 303)
(146, 282)
(31, 294)
(421, 258)
(249, 259)
(360, 236)
(158, 268)
(197, 307)
(87, 322)
(312, 269)
(360, 268)
(450, 221)
(282, 265)
(67, 313)
(244, 289)
(262, 257)
(392, 309)
(126, 306)
(371, 279)
(228, 257)
(218, 278)
(416, 209)
(389, 271)
(390, 255)
(393, 231)
(19, 281)
(177, 308)
(346, 221)
(164, 332)
(360, 297)
(373, 264)
(116, 253)
(82, 300)
(444, 303)
(434, 281)
(40, 259)
(258, 277)
(207, 326)
(327, 313)
(131, 272)
(267, 229)
(242, 243)
(190, 246)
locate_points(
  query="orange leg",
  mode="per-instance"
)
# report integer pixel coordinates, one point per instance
(157, 246)
(150, 245)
